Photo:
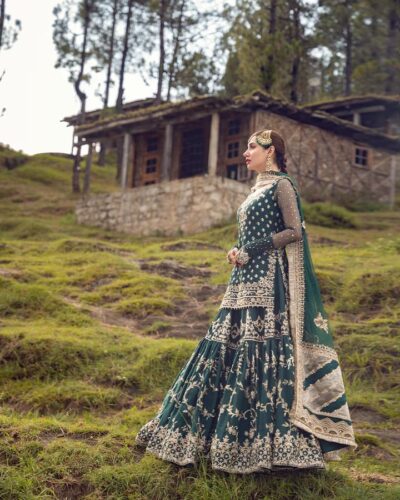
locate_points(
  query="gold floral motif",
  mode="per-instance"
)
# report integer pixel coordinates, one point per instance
(321, 322)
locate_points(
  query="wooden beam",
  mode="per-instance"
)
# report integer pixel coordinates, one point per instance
(125, 159)
(393, 167)
(88, 168)
(132, 167)
(213, 147)
(167, 153)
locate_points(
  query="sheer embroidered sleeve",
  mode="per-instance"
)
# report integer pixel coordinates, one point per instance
(286, 198)
(287, 202)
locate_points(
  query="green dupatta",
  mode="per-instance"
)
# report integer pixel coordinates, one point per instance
(320, 405)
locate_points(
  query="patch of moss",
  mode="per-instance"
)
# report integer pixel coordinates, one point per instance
(138, 294)
(71, 396)
(157, 327)
(160, 363)
(26, 300)
(370, 289)
(328, 215)
(44, 358)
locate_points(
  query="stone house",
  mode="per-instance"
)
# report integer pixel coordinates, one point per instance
(183, 169)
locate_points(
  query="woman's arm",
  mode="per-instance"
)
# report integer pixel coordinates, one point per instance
(286, 198)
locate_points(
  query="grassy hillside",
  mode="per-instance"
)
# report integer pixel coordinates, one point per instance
(95, 325)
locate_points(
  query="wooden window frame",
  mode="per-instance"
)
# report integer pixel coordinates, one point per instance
(356, 154)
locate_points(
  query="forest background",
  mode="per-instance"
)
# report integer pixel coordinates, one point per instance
(94, 325)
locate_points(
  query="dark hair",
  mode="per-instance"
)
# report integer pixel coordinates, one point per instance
(279, 145)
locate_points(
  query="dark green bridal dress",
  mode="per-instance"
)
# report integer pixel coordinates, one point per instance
(263, 389)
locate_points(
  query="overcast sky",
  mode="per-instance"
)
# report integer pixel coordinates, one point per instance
(36, 95)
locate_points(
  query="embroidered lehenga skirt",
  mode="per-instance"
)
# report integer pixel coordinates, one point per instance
(230, 403)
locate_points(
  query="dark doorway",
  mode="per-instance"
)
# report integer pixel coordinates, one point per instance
(193, 152)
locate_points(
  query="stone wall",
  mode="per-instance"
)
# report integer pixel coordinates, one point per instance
(183, 206)
(323, 163)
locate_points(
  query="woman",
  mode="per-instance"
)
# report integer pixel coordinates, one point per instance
(263, 390)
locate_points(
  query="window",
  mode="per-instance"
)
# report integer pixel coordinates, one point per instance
(233, 149)
(152, 143)
(146, 183)
(234, 126)
(151, 165)
(361, 157)
(237, 172)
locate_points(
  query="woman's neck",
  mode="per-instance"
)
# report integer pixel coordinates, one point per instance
(273, 167)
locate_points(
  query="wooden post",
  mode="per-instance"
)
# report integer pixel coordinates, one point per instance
(213, 147)
(130, 178)
(125, 159)
(88, 168)
(393, 168)
(167, 153)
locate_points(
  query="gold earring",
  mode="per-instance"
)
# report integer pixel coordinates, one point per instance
(268, 163)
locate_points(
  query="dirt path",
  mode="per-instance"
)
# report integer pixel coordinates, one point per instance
(190, 318)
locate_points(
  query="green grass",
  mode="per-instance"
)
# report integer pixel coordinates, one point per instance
(75, 386)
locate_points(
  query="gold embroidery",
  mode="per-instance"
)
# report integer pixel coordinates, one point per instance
(254, 455)
(258, 293)
(258, 329)
(321, 322)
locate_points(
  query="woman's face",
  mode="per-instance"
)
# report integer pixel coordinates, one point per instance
(256, 156)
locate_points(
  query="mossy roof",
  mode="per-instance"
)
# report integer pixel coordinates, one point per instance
(251, 102)
(97, 114)
(355, 101)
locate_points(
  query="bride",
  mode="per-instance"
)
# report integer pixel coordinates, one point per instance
(263, 390)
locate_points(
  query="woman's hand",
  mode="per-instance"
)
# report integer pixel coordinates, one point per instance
(231, 256)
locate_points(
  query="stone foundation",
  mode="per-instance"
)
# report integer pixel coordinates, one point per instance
(182, 206)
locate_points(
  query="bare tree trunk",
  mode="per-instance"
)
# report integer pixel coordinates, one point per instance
(103, 148)
(296, 60)
(162, 51)
(82, 97)
(268, 70)
(2, 17)
(119, 104)
(393, 24)
(171, 70)
(120, 96)
(349, 49)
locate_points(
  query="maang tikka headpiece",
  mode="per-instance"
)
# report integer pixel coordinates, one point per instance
(264, 138)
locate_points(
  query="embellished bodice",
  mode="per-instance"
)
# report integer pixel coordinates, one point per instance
(259, 215)
(252, 284)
